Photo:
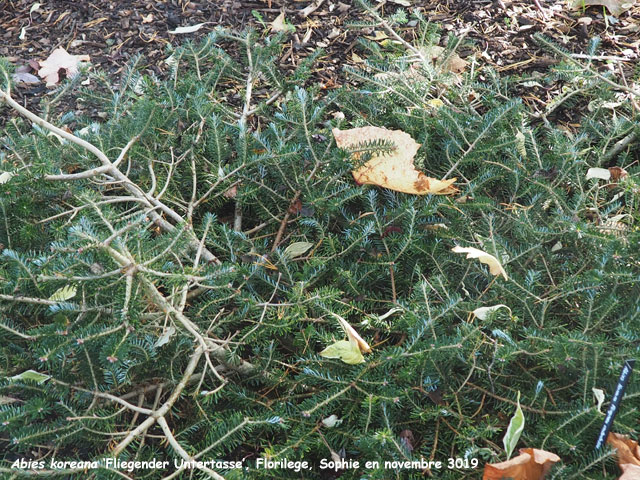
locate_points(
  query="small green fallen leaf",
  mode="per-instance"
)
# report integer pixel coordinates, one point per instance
(483, 312)
(435, 103)
(31, 375)
(516, 426)
(347, 351)
(63, 294)
(296, 249)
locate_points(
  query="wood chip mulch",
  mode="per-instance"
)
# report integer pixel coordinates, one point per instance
(498, 33)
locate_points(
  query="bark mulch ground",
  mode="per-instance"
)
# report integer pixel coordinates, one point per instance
(499, 33)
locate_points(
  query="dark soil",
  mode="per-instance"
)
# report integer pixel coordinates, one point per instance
(498, 33)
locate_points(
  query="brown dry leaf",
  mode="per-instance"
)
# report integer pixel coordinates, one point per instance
(295, 207)
(60, 60)
(231, 192)
(628, 449)
(531, 464)
(615, 7)
(617, 174)
(407, 439)
(628, 455)
(279, 24)
(454, 64)
(394, 171)
(494, 265)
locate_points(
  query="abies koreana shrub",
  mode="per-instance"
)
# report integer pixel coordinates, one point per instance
(171, 274)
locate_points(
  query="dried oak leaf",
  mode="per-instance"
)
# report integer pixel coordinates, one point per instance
(628, 455)
(615, 7)
(60, 60)
(394, 171)
(280, 25)
(531, 464)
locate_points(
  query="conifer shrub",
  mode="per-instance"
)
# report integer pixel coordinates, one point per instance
(172, 272)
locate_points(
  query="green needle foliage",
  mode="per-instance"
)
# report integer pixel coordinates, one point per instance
(185, 331)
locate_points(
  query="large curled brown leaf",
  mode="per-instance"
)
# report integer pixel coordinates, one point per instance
(531, 464)
(394, 171)
(628, 455)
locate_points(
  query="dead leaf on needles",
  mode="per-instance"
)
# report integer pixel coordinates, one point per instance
(628, 455)
(617, 174)
(395, 170)
(352, 334)
(630, 472)
(531, 464)
(60, 60)
(453, 64)
(349, 351)
(615, 7)
(494, 265)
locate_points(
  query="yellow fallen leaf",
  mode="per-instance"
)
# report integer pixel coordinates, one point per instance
(345, 350)
(394, 171)
(435, 103)
(494, 265)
